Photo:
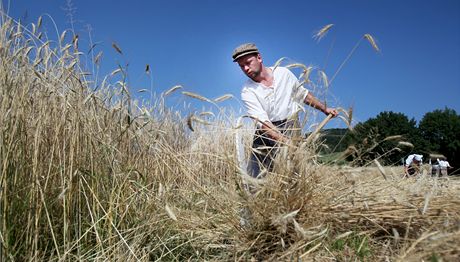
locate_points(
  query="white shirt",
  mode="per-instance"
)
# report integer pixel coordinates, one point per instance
(443, 164)
(277, 102)
(411, 158)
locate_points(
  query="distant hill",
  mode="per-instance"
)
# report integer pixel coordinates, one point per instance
(335, 139)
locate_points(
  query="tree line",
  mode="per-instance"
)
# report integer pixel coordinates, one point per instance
(390, 137)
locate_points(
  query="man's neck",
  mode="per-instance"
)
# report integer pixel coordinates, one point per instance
(266, 77)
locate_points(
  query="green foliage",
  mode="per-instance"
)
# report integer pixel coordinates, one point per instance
(441, 130)
(379, 137)
(435, 257)
(356, 244)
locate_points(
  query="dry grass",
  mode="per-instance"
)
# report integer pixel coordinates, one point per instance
(96, 175)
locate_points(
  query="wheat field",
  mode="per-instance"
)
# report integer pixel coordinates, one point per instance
(90, 173)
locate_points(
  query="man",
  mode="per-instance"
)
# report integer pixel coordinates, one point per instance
(443, 166)
(412, 165)
(272, 97)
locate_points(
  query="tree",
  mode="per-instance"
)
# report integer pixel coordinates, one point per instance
(441, 129)
(386, 137)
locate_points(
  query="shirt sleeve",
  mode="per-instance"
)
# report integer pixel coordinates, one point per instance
(409, 160)
(253, 106)
(299, 92)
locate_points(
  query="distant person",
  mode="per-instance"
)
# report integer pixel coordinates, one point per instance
(412, 165)
(443, 167)
(271, 97)
(435, 168)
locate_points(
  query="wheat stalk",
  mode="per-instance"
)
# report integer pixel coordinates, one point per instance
(322, 32)
(223, 98)
(171, 90)
(117, 48)
(196, 96)
(371, 40)
(170, 213)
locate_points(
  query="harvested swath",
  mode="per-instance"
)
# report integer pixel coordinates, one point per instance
(366, 204)
(170, 212)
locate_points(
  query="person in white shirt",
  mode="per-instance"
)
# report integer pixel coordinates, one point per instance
(435, 168)
(443, 166)
(272, 96)
(412, 165)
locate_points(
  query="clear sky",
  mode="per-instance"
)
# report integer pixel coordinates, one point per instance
(190, 43)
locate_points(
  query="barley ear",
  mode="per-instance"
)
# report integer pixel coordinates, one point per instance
(197, 96)
(189, 122)
(371, 40)
(278, 63)
(117, 48)
(322, 32)
(223, 98)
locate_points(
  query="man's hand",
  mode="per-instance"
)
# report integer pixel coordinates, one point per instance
(315, 103)
(273, 132)
(331, 111)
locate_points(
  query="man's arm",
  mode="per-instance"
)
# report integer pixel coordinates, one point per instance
(406, 170)
(315, 103)
(273, 132)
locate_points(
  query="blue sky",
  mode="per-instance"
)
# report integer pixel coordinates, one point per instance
(190, 43)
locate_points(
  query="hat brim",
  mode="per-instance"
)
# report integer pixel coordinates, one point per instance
(245, 54)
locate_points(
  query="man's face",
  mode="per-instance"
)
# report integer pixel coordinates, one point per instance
(251, 65)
